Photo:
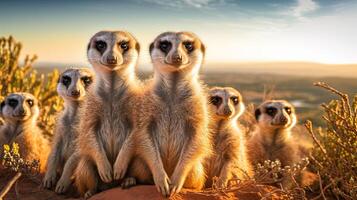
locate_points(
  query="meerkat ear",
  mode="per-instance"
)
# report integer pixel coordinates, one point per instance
(88, 45)
(151, 47)
(203, 48)
(257, 113)
(2, 104)
(137, 46)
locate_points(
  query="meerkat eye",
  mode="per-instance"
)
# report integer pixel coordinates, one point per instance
(30, 102)
(100, 46)
(87, 80)
(165, 46)
(66, 80)
(288, 110)
(13, 103)
(188, 46)
(216, 100)
(271, 111)
(124, 46)
(235, 100)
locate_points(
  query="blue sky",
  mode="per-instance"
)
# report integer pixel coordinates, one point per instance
(233, 30)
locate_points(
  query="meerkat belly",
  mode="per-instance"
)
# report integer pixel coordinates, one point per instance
(172, 136)
(114, 128)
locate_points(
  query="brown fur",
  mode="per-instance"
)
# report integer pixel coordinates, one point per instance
(105, 119)
(26, 133)
(171, 131)
(63, 159)
(229, 157)
(274, 141)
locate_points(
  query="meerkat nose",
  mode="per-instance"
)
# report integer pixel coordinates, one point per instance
(75, 93)
(111, 60)
(177, 59)
(227, 111)
(283, 120)
(22, 112)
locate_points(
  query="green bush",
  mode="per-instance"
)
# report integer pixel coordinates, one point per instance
(16, 76)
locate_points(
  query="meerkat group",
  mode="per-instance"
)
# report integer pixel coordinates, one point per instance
(171, 131)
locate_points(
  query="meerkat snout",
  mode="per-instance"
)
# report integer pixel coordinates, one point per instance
(20, 107)
(276, 114)
(173, 51)
(74, 82)
(226, 102)
(112, 50)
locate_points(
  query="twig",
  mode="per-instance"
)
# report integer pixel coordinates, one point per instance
(8, 186)
(308, 126)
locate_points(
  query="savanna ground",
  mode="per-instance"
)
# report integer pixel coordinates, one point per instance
(327, 121)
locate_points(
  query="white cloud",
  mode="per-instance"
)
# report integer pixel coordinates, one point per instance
(186, 3)
(303, 7)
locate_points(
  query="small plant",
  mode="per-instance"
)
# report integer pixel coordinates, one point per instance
(12, 160)
(335, 156)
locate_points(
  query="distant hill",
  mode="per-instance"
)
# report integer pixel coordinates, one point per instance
(305, 69)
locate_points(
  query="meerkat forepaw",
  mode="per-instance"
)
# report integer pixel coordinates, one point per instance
(62, 186)
(176, 186)
(128, 182)
(89, 194)
(49, 180)
(105, 172)
(163, 185)
(119, 171)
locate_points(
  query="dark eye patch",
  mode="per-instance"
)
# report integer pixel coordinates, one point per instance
(257, 113)
(13, 103)
(66, 80)
(165, 46)
(124, 45)
(188, 46)
(215, 100)
(235, 100)
(288, 110)
(30, 102)
(2, 105)
(87, 80)
(271, 111)
(100, 46)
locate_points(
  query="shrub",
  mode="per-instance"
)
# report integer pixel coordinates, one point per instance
(334, 156)
(22, 77)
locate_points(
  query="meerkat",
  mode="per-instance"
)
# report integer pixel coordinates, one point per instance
(105, 118)
(229, 157)
(172, 127)
(20, 112)
(273, 140)
(72, 86)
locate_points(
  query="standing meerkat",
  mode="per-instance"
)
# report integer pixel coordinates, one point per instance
(173, 136)
(20, 112)
(72, 87)
(229, 157)
(105, 118)
(272, 138)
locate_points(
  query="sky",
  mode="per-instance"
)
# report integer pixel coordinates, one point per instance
(323, 31)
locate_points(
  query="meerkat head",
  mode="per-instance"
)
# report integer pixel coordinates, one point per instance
(20, 107)
(73, 83)
(276, 114)
(177, 51)
(226, 103)
(112, 51)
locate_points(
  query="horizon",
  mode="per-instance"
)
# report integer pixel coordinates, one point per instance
(234, 31)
